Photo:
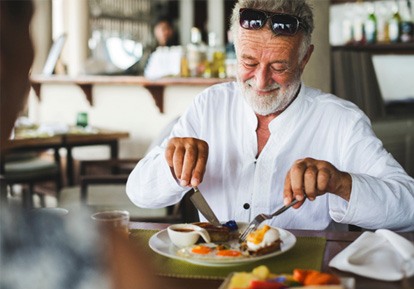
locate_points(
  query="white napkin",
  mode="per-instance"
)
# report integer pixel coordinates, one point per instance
(383, 255)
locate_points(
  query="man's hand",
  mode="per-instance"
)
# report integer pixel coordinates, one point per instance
(187, 158)
(315, 178)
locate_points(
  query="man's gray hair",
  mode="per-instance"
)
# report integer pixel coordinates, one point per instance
(298, 8)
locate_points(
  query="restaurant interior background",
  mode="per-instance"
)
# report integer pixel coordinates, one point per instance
(86, 52)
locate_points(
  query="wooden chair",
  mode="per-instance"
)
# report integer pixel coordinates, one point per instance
(29, 169)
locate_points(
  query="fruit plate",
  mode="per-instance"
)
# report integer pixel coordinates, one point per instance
(346, 283)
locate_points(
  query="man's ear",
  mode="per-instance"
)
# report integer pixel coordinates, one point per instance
(306, 57)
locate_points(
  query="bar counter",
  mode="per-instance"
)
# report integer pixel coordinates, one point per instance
(155, 87)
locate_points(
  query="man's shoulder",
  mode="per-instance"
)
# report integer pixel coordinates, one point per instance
(221, 92)
(318, 97)
(222, 98)
(224, 87)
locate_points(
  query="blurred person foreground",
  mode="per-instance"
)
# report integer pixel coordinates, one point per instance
(39, 249)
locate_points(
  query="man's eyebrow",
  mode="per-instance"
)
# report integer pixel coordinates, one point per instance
(246, 56)
(249, 57)
(280, 62)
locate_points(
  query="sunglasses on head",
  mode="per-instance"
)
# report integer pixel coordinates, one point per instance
(281, 24)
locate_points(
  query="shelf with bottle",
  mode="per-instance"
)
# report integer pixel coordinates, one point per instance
(207, 61)
(375, 22)
(379, 48)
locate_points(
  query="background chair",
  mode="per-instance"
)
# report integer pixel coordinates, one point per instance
(29, 169)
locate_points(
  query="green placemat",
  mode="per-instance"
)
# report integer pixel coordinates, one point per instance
(306, 254)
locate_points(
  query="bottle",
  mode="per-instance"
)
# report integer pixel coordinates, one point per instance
(394, 26)
(216, 58)
(196, 54)
(184, 70)
(370, 26)
(358, 31)
(407, 31)
(82, 119)
(347, 32)
(407, 23)
(358, 23)
(382, 13)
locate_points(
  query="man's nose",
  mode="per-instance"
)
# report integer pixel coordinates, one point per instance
(263, 77)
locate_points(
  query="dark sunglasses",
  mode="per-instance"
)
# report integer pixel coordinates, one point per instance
(281, 24)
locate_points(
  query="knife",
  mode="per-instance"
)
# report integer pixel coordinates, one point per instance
(201, 204)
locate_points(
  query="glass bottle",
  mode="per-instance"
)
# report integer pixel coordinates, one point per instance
(394, 26)
(215, 57)
(370, 26)
(407, 22)
(358, 23)
(196, 54)
(184, 70)
(382, 13)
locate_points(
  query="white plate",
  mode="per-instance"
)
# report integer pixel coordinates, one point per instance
(161, 243)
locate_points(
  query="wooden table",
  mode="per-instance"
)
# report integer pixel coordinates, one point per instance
(102, 137)
(68, 141)
(336, 242)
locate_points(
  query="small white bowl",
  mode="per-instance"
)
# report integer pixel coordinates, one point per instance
(184, 235)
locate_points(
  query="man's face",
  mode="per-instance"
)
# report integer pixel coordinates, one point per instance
(268, 69)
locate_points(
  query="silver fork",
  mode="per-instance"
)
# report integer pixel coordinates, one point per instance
(254, 224)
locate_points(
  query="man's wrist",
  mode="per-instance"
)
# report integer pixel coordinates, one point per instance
(344, 190)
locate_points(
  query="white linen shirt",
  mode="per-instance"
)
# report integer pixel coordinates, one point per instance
(238, 186)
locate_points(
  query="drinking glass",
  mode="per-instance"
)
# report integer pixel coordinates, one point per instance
(116, 221)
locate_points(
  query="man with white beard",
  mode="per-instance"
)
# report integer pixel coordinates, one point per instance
(254, 145)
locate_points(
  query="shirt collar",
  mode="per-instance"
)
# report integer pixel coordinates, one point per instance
(291, 113)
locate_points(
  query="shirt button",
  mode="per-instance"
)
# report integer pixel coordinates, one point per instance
(246, 206)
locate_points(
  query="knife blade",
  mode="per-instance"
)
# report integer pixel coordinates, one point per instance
(201, 204)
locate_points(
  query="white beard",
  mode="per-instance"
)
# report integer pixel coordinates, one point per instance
(274, 102)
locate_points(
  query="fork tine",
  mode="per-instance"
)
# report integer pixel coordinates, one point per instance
(262, 217)
(254, 224)
(247, 231)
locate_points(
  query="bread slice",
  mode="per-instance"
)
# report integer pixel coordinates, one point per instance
(275, 246)
(218, 234)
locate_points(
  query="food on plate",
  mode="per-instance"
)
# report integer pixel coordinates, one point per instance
(263, 241)
(213, 251)
(225, 243)
(220, 234)
(262, 278)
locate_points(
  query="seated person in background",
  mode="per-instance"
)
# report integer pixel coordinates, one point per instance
(164, 32)
(61, 252)
(164, 36)
(254, 145)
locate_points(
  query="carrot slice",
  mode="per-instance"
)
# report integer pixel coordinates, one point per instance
(312, 277)
(299, 275)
